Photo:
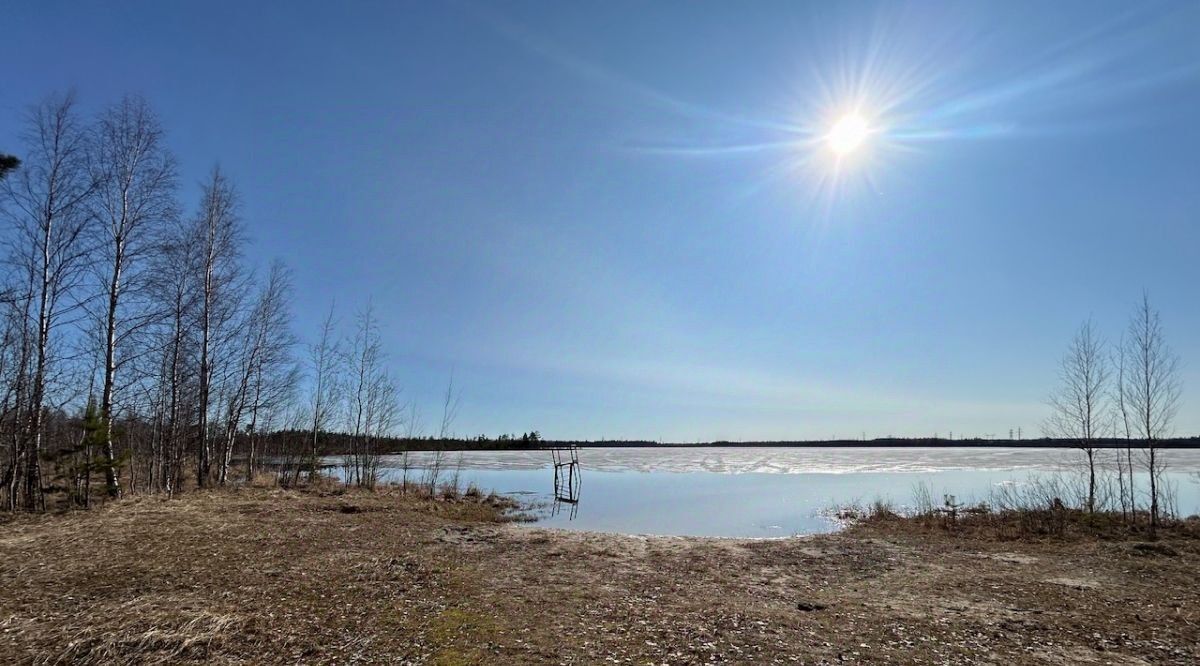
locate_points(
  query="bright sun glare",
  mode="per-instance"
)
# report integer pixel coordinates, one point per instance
(847, 134)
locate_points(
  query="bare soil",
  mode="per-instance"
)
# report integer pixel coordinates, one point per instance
(274, 576)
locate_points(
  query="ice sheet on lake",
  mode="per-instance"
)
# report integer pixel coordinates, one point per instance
(791, 460)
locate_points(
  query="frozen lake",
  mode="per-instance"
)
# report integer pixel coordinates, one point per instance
(765, 492)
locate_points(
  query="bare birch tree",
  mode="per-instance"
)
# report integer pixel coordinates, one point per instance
(1080, 403)
(135, 199)
(274, 372)
(15, 355)
(373, 410)
(173, 289)
(218, 235)
(450, 404)
(324, 361)
(1153, 391)
(1124, 428)
(412, 429)
(264, 349)
(47, 206)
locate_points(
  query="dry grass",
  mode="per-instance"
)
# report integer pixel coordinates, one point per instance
(279, 576)
(1061, 524)
(194, 634)
(261, 575)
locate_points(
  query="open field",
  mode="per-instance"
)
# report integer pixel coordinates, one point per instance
(273, 576)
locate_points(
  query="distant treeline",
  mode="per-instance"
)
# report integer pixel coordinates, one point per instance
(340, 443)
(899, 442)
(334, 443)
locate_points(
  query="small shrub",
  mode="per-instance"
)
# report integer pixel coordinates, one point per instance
(881, 510)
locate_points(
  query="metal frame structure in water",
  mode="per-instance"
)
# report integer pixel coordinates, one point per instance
(567, 478)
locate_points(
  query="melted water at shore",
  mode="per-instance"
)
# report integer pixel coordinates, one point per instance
(762, 492)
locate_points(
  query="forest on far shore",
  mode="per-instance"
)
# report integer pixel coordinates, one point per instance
(341, 443)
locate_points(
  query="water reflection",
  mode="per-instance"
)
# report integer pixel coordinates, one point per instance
(572, 512)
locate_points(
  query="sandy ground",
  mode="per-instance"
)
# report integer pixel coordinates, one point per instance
(272, 576)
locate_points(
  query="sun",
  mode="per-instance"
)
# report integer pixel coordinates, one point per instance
(847, 134)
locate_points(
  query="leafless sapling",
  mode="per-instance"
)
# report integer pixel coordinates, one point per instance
(1080, 403)
(1153, 392)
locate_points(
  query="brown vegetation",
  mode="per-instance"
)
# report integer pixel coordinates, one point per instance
(335, 576)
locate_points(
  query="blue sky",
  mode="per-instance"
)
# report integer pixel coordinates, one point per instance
(618, 219)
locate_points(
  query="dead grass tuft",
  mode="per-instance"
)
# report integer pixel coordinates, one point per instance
(981, 522)
(194, 635)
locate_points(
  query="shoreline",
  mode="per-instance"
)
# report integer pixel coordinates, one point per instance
(337, 575)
